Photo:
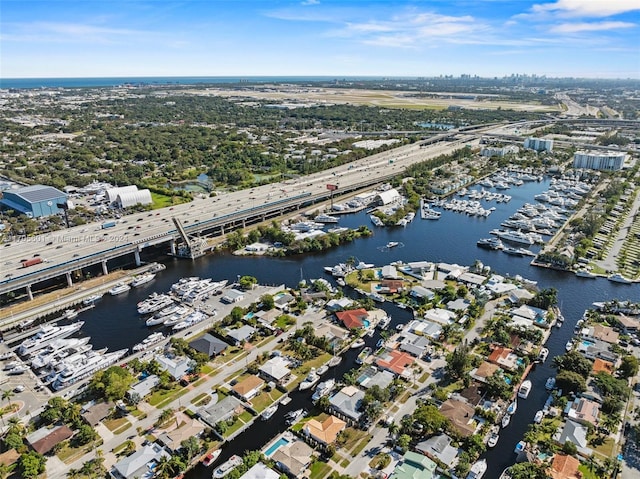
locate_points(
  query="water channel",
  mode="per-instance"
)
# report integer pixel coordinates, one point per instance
(115, 323)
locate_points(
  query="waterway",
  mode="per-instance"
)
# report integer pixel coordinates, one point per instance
(452, 239)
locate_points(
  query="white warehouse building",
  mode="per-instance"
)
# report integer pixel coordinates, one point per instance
(599, 160)
(132, 198)
(112, 193)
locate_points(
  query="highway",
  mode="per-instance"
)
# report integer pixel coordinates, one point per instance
(81, 246)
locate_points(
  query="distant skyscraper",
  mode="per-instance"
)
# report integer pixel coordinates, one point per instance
(539, 144)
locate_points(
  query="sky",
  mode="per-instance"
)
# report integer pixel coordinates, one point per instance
(391, 38)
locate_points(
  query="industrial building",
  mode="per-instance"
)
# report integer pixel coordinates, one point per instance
(127, 196)
(35, 201)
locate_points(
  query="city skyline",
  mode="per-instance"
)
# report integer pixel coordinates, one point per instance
(561, 38)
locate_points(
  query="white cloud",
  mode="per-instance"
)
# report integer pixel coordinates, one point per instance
(310, 2)
(71, 33)
(586, 8)
(590, 27)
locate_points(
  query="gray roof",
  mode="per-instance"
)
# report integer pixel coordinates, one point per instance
(577, 434)
(209, 345)
(377, 378)
(439, 447)
(220, 410)
(347, 401)
(36, 193)
(241, 334)
(136, 465)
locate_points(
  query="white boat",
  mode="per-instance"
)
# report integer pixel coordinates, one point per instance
(477, 469)
(91, 299)
(323, 389)
(322, 369)
(154, 303)
(58, 350)
(542, 356)
(538, 417)
(493, 439)
(513, 407)
(376, 297)
(227, 467)
(141, 279)
(211, 457)
(384, 322)
(149, 341)
(490, 243)
(46, 335)
(293, 416)
(392, 244)
(376, 221)
(550, 384)
(520, 447)
(119, 289)
(81, 371)
(358, 343)
(506, 419)
(19, 369)
(334, 361)
(69, 314)
(525, 389)
(325, 218)
(363, 355)
(569, 345)
(26, 323)
(311, 379)
(178, 316)
(5, 356)
(363, 265)
(516, 237)
(619, 278)
(585, 273)
(270, 411)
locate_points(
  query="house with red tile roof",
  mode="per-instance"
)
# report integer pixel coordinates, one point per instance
(504, 357)
(564, 467)
(398, 362)
(354, 318)
(325, 432)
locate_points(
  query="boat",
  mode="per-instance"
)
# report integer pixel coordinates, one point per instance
(490, 243)
(270, 411)
(334, 361)
(516, 237)
(228, 466)
(91, 299)
(525, 389)
(477, 470)
(512, 251)
(311, 379)
(285, 400)
(569, 345)
(392, 244)
(26, 323)
(538, 417)
(358, 343)
(542, 355)
(619, 278)
(399, 327)
(119, 288)
(325, 218)
(141, 279)
(376, 221)
(154, 303)
(376, 297)
(550, 384)
(19, 369)
(46, 335)
(493, 439)
(585, 273)
(363, 355)
(5, 356)
(149, 341)
(69, 314)
(384, 322)
(323, 389)
(506, 419)
(58, 350)
(520, 447)
(293, 416)
(211, 457)
(86, 368)
(322, 369)
(513, 407)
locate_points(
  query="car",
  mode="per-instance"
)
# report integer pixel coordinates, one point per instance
(8, 244)
(18, 389)
(75, 255)
(59, 246)
(49, 243)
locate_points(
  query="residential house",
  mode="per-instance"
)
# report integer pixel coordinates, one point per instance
(575, 433)
(519, 296)
(293, 458)
(143, 387)
(224, 409)
(425, 328)
(390, 286)
(484, 371)
(414, 465)
(601, 333)
(397, 362)
(371, 376)
(209, 345)
(564, 466)
(595, 348)
(440, 316)
(461, 416)
(95, 413)
(583, 410)
(249, 387)
(505, 358)
(422, 293)
(176, 366)
(275, 369)
(459, 304)
(260, 471)
(338, 304)
(282, 301)
(413, 344)
(600, 365)
(389, 272)
(240, 335)
(172, 440)
(44, 439)
(139, 463)
(325, 432)
(346, 403)
(439, 448)
(419, 269)
(472, 279)
(629, 325)
(354, 318)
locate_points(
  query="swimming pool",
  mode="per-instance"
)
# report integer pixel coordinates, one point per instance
(587, 344)
(274, 447)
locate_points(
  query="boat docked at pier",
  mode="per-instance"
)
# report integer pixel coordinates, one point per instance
(46, 335)
(506, 419)
(86, 368)
(550, 384)
(358, 343)
(619, 278)
(525, 389)
(364, 354)
(493, 439)
(334, 361)
(490, 243)
(325, 218)
(477, 470)
(293, 416)
(513, 407)
(211, 457)
(203, 290)
(91, 299)
(542, 356)
(538, 417)
(269, 412)
(119, 288)
(58, 350)
(191, 319)
(149, 341)
(585, 273)
(311, 379)
(323, 389)
(141, 279)
(154, 303)
(515, 237)
(227, 467)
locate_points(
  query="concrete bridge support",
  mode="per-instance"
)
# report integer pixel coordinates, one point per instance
(29, 292)
(105, 270)
(136, 255)
(69, 279)
(172, 247)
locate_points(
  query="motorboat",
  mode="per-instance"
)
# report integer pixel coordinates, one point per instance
(26, 323)
(506, 419)
(363, 265)
(19, 369)
(141, 279)
(311, 379)
(520, 447)
(323, 389)
(493, 439)
(376, 297)
(538, 417)
(477, 470)
(334, 361)
(211, 457)
(154, 303)
(513, 407)
(569, 345)
(525, 389)
(585, 273)
(325, 218)
(119, 288)
(384, 322)
(228, 466)
(490, 243)
(69, 314)
(358, 343)
(542, 356)
(58, 350)
(91, 299)
(363, 355)
(149, 341)
(46, 335)
(550, 384)
(392, 244)
(85, 369)
(619, 278)
(516, 237)
(376, 221)
(5, 356)
(269, 412)
(322, 369)
(293, 416)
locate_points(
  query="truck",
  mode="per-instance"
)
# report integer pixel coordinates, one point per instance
(108, 224)
(31, 262)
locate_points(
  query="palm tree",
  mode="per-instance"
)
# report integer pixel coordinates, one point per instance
(7, 394)
(394, 428)
(163, 468)
(6, 469)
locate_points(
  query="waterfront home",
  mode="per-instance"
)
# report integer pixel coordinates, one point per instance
(249, 387)
(451, 271)
(334, 334)
(371, 376)
(44, 439)
(325, 432)
(293, 458)
(471, 279)
(397, 362)
(583, 410)
(601, 333)
(338, 304)
(346, 403)
(505, 358)
(95, 413)
(282, 300)
(143, 387)
(275, 369)
(240, 335)
(629, 325)
(139, 463)
(594, 348)
(389, 272)
(224, 409)
(414, 465)
(176, 366)
(564, 466)
(414, 344)
(519, 296)
(422, 293)
(458, 304)
(484, 371)
(440, 316)
(425, 328)
(260, 471)
(354, 318)
(390, 286)
(498, 286)
(173, 439)
(600, 365)
(575, 433)
(461, 415)
(439, 448)
(209, 345)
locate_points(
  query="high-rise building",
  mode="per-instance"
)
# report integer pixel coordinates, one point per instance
(599, 160)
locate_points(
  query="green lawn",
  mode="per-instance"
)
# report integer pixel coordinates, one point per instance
(199, 398)
(162, 201)
(68, 454)
(116, 424)
(319, 470)
(586, 473)
(265, 399)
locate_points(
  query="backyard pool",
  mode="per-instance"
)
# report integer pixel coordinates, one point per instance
(274, 447)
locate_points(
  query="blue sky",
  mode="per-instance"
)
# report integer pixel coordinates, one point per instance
(95, 38)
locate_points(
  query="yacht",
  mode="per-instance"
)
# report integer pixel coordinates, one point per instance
(269, 412)
(516, 237)
(525, 389)
(310, 380)
(358, 343)
(490, 243)
(392, 244)
(363, 355)
(384, 322)
(376, 221)
(376, 297)
(178, 315)
(46, 335)
(69, 314)
(60, 349)
(325, 218)
(513, 407)
(91, 299)
(227, 467)
(81, 371)
(149, 341)
(542, 356)
(119, 289)
(26, 323)
(211, 457)
(203, 291)
(520, 447)
(142, 279)
(363, 265)
(19, 369)
(429, 214)
(334, 361)
(154, 303)
(569, 345)
(619, 278)
(550, 384)
(293, 416)
(493, 439)
(323, 389)
(585, 273)
(477, 469)
(506, 419)
(538, 417)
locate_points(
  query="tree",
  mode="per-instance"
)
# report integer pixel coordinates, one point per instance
(85, 435)
(573, 361)
(267, 302)
(190, 447)
(628, 367)
(569, 448)
(528, 470)
(247, 282)
(31, 464)
(570, 381)
(497, 387)
(458, 361)
(112, 383)
(403, 441)
(6, 469)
